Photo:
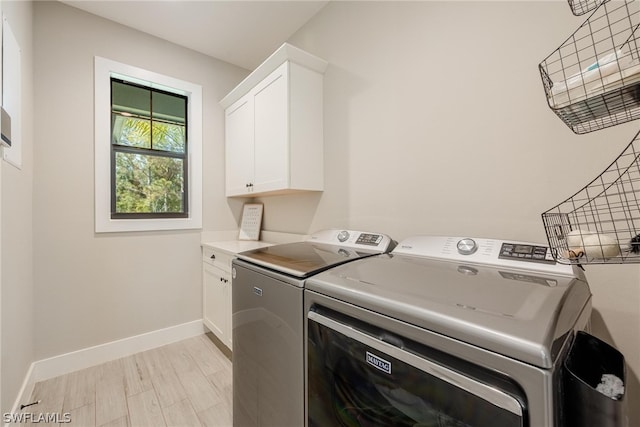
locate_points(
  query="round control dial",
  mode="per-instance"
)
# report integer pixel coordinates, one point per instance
(467, 246)
(343, 236)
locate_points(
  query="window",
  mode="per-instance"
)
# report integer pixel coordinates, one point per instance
(148, 145)
(148, 152)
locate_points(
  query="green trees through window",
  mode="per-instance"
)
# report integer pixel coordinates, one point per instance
(148, 152)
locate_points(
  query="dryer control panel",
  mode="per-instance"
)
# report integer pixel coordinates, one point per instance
(520, 255)
(526, 252)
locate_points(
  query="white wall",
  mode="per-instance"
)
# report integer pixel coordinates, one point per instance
(92, 289)
(436, 123)
(16, 215)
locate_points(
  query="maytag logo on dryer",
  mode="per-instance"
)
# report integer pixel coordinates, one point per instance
(379, 363)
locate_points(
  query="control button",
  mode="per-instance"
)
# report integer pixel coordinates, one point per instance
(470, 271)
(343, 252)
(467, 246)
(343, 236)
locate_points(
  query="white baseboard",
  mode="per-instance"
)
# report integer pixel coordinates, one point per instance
(63, 364)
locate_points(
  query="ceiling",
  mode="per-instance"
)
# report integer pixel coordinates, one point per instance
(241, 32)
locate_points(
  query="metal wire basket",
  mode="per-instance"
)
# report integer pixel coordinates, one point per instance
(580, 7)
(600, 224)
(592, 81)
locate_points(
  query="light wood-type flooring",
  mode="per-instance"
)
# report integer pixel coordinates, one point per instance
(187, 383)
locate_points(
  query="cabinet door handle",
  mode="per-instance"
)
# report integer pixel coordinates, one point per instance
(213, 256)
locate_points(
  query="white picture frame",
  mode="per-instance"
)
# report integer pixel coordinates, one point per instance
(251, 221)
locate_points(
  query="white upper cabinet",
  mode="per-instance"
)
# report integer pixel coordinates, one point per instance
(273, 119)
(239, 146)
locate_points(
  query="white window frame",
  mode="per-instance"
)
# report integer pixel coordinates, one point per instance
(104, 70)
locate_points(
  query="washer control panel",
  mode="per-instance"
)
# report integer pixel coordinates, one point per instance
(377, 242)
(369, 239)
(521, 255)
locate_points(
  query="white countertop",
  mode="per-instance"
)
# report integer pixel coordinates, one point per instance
(227, 241)
(233, 247)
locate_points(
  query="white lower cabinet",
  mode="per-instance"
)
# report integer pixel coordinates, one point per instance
(216, 283)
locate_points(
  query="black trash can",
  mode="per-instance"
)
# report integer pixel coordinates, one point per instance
(584, 406)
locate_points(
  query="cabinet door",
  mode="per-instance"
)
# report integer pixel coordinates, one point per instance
(229, 329)
(216, 309)
(239, 146)
(271, 140)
